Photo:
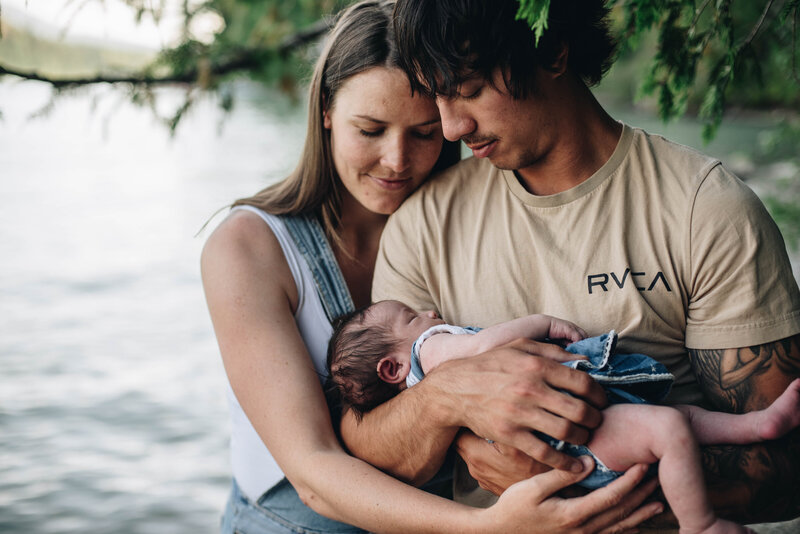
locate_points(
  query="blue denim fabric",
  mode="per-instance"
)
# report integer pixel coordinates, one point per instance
(278, 511)
(626, 378)
(310, 239)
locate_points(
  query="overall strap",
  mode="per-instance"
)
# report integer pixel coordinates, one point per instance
(310, 239)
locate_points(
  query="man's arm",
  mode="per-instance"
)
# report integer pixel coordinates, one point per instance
(759, 482)
(500, 395)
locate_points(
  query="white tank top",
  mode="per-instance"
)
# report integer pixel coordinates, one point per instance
(253, 467)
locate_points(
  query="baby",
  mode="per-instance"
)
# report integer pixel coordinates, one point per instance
(378, 351)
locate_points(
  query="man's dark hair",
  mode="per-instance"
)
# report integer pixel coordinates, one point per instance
(442, 42)
(354, 351)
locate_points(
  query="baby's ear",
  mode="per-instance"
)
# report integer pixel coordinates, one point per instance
(391, 370)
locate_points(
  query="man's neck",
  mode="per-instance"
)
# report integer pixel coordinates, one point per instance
(586, 138)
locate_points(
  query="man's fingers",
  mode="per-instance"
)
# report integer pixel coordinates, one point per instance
(559, 376)
(549, 351)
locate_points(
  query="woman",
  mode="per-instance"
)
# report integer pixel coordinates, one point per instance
(288, 260)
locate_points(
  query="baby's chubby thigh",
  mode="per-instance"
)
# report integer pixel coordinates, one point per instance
(639, 434)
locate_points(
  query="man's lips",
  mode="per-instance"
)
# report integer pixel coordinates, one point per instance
(482, 150)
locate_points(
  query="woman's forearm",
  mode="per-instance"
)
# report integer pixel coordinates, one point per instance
(346, 489)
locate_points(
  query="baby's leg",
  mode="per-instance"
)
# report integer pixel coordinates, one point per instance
(636, 433)
(713, 428)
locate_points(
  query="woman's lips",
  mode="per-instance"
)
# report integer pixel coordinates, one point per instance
(391, 184)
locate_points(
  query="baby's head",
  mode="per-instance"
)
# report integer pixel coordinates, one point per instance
(369, 355)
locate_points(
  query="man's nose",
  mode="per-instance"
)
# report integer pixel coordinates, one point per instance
(455, 123)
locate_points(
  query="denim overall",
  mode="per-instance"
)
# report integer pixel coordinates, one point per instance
(279, 510)
(626, 378)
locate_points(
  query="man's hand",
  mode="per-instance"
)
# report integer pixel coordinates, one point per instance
(495, 466)
(505, 393)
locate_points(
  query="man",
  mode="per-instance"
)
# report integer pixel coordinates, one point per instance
(565, 211)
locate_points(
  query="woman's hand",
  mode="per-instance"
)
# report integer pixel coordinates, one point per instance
(533, 505)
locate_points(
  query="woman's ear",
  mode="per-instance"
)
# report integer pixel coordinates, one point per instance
(391, 370)
(326, 114)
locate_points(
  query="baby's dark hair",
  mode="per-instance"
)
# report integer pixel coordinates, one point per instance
(354, 351)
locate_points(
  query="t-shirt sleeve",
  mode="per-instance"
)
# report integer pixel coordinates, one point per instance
(399, 274)
(742, 290)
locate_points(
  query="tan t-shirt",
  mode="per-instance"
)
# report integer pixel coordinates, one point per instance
(662, 244)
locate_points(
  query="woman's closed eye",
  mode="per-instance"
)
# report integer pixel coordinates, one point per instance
(423, 135)
(371, 133)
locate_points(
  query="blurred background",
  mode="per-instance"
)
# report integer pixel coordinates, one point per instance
(125, 125)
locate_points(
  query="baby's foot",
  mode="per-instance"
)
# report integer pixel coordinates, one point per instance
(720, 526)
(782, 415)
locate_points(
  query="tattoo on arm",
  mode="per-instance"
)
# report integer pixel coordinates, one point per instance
(757, 482)
(726, 375)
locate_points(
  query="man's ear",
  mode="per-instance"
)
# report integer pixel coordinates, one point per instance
(559, 65)
(390, 370)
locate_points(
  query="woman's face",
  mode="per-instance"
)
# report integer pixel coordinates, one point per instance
(384, 141)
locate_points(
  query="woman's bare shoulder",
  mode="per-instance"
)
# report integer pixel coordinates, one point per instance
(244, 248)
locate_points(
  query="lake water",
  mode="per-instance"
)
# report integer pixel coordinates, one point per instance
(112, 407)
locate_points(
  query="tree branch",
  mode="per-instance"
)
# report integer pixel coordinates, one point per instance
(756, 27)
(245, 60)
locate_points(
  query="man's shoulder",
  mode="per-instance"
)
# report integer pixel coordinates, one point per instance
(463, 176)
(677, 171)
(668, 153)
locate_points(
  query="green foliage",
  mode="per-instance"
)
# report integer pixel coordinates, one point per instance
(787, 216)
(534, 12)
(715, 54)
(780, 144)
(710, 54)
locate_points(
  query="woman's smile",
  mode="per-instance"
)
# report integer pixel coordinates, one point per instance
(384, 140)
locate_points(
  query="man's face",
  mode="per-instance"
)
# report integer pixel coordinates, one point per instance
(513, 134)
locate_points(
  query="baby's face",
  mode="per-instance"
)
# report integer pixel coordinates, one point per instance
(406, 324)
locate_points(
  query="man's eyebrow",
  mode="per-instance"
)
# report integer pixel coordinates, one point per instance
(378, 121)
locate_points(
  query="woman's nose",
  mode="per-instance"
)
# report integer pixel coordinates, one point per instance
(396, 157)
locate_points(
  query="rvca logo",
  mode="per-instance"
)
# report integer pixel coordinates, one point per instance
(605, 280)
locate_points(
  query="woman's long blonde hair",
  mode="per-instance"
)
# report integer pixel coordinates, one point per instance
(362, 38)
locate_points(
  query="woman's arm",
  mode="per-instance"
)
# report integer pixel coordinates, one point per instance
(250, 297)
